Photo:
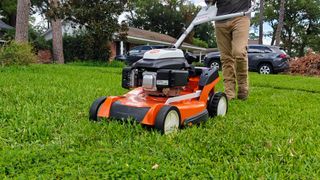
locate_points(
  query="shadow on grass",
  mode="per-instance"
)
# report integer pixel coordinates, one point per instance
(290, 89)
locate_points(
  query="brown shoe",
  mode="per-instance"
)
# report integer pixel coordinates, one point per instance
(243, 97)
(230, 98)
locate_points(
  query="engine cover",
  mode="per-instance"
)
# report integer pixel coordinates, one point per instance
(167, 78)
(162, 59)
(164, 78)
(168, 53)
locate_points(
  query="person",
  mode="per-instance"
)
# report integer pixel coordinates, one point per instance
(232, 40)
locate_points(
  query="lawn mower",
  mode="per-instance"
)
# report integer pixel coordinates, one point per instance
(167, 92)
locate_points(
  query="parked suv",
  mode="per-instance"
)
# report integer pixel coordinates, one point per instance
(262, 58)
(137, 52)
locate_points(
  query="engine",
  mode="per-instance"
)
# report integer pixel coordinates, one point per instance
(161, 72)
(162, 82)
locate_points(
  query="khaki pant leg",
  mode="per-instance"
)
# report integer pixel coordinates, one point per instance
(223, 34)
(240, 38)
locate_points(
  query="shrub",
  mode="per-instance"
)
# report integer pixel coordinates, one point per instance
(198, 64)
(17, 54)
(85, 46)
(35, 38)
(114, 63)
(199, 42)
(41, 44)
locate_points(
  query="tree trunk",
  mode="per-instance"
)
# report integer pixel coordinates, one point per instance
(57, 42)
(280, 23)
(22, 21)
(261, 19)
(273, 38)
(289, 45)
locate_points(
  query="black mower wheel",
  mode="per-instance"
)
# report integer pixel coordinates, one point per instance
(168, 119)
(218, 105)
(93, 112)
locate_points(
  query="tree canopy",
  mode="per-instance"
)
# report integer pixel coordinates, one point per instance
(168, 17)
(301, 27)
(99, 17)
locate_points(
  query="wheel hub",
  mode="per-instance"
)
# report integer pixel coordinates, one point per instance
(265, 70)
(171, 122)
(222, 106)
(215, 65)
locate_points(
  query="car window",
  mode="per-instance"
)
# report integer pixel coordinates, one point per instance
(159, 47)
(255, 49)
(278, 50)
(145, 48)
(266, 49)
(259, 49)
(135, 50)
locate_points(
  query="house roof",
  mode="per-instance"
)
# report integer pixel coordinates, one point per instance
(144, 36)
(4, 25)
(150, 35)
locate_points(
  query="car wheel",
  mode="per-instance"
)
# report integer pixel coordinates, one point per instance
(265, 69)
(215, 64)
(217, 105)
(94, 109)
(168, 119)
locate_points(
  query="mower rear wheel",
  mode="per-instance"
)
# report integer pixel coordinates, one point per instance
(168, 119)
(94, 109)
(218, 105)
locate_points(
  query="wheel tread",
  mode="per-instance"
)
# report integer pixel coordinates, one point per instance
(214, 102)
(93, 112)
(161, 116)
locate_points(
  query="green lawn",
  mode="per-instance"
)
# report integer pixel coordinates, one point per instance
(45, 132)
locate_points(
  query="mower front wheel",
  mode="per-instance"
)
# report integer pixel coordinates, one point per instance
(218, 105)
(94, 109)
(168, 119)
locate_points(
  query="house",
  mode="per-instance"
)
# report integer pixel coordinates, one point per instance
(135, 37)
(5, 26)
(67, 29)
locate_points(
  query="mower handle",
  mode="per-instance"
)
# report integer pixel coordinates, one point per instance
(208, 14)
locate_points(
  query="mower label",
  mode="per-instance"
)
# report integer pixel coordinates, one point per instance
(163, 82)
